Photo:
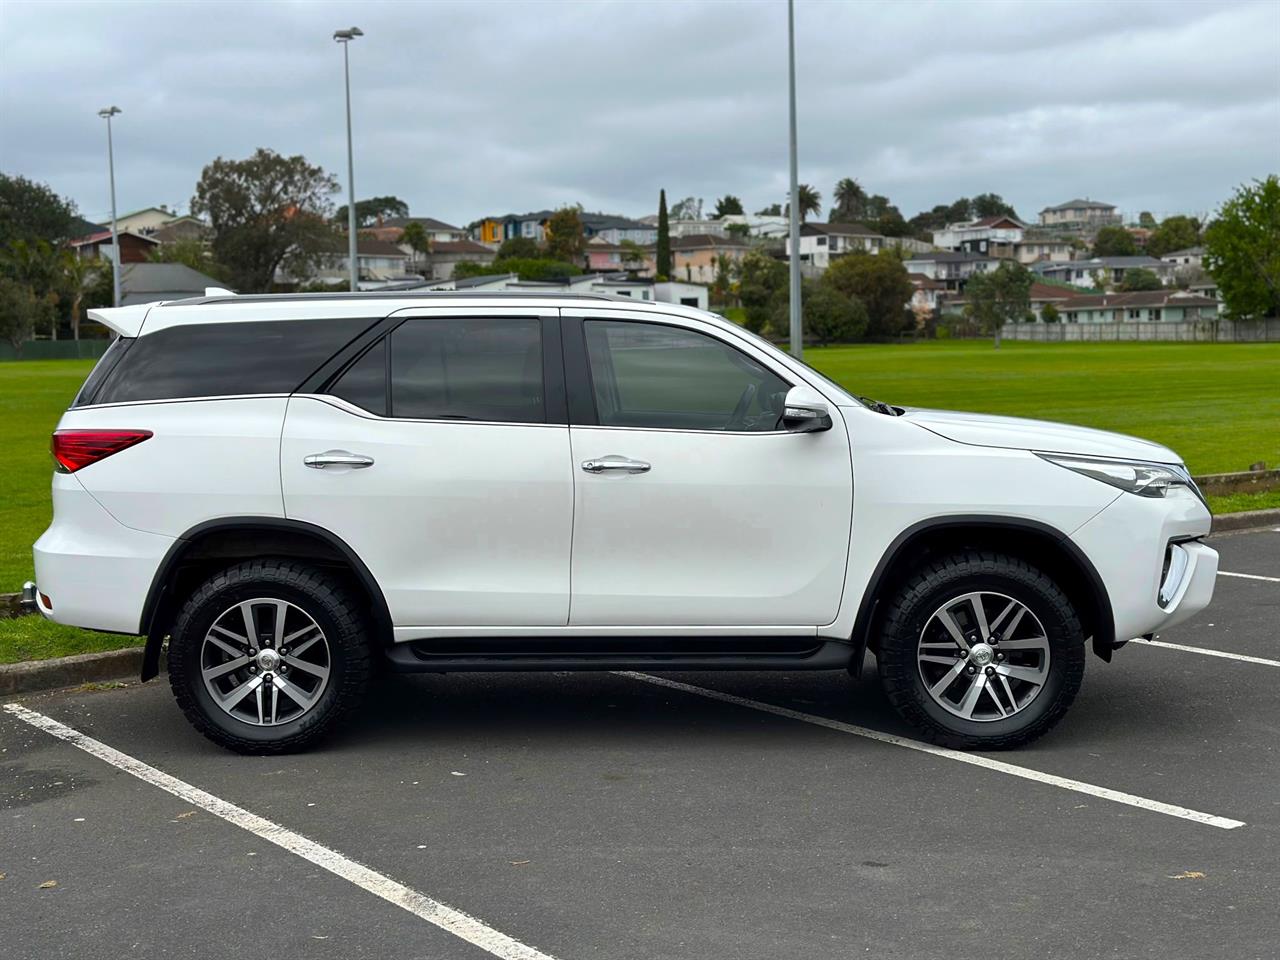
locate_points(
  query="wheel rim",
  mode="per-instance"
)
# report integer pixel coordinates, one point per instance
(983, 656)
(265, 662)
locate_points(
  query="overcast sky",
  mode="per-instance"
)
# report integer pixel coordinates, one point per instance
(467, 109)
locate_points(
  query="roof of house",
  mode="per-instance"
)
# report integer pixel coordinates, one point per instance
(428, 223)
(1188, 252)
(999, 218)
(590, 221)
(134, 213)
(488, 278)
(1050, 291)
(462, 246)
(104, 236)
(810, 229)
(137, 278)
(1142, 298)
(923, 282)
(1096, 263)
(1080, 205)
(701, 241)
(948, 256)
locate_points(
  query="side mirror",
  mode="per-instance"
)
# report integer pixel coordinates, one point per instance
(804, 411)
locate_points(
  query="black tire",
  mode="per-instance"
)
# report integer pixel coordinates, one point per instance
(913, 606)
(335, 611)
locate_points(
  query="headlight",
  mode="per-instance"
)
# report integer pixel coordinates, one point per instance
(1134, 476)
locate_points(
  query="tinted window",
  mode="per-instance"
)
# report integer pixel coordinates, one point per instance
(106, 363)
(364, 383)
(225, 359)
(651, 375)
(468, 370)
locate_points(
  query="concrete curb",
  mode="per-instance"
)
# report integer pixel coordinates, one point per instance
(1246, 520)
(36, 675)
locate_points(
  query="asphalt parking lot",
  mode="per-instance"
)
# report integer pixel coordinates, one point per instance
(608, 816)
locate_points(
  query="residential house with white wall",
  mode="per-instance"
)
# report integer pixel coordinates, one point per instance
(1147, 306)
(1079, 215)
(1109, 271)
(953, 268)
(820, 243)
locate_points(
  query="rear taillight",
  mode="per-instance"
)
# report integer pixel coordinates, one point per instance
(73, 449)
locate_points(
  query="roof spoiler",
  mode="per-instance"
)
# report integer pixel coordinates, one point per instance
(126, 321)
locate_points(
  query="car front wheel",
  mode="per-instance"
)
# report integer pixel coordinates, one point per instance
(981, 651)
(268, 656)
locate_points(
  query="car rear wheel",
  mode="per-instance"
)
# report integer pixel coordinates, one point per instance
(268, 656)
(981, 651)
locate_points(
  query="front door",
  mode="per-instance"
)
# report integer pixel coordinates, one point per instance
(441, 457)
(692, 507)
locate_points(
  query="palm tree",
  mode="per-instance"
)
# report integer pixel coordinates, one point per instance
(851, 201)
(77, 273)
(810, 202)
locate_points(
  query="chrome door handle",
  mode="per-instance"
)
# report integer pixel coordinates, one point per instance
(337, 458)
(615, 463)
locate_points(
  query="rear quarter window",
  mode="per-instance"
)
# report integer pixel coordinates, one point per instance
(224, 359)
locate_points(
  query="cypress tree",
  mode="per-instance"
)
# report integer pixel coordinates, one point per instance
(664, 238)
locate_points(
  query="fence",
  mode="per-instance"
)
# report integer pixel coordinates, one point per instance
(56, 350)
(1218, 330)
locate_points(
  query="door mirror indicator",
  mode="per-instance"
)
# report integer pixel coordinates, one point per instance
(805, 412)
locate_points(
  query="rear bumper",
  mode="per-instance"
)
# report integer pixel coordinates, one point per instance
(92, 570)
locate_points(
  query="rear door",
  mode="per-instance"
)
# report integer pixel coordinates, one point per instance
(692, 507)
(441, 457)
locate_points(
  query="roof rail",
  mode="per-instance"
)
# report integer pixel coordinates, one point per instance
(218, 292)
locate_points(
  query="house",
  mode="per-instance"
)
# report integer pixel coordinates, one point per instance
(1040, 295)
(148, 282)
(951, 267)
(134, 247)
(766, 226)
(692, 228)
(378, 261)
(145, 221)
(182, 228)
(1079, 215)
(437, 231)
(1109, 271)
(696, 258)
(1190, 257)
(994, 235)
(533, 226)
(1147, 306)
(820, 243)
(1037, 245)
(438, 263)
(601, 256)
(928, 293)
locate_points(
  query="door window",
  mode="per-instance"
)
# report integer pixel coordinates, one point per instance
(664, 377)
(472, 369)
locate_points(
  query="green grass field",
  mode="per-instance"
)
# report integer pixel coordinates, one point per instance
(1218, 405)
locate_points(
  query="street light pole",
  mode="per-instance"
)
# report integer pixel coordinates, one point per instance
(107, 113)
(797, 331)
(345, 37)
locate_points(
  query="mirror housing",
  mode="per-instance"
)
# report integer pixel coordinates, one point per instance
(805, 411)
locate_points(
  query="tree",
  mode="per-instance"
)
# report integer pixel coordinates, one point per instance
(690, 208)
(1242, 250)
(1114, 241)
(881, 283)
(1146, 220)
(1174, 233)
(192, 253)
(1138, 278)
(632, 255)
(991, 205)
(663, 253)
(264, 211)
(519, 248)
(537, 268)
(761, 279)
(1049, 313)
(739, 230)
(728, 205)
(35, 265)
(565, 238)
(850, 202)
(773, 210)
(32, 211)
(1001, 296)
(78, 275)
(370, 212)
(829, 315)
(810, 201)
(923, 224)
(20, 311)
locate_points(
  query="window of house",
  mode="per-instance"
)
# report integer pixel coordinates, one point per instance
(474, 369)
(821, 241)
(664, 377)
(1155, 314)
(1135, 314)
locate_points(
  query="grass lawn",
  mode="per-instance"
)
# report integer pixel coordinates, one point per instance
(1218, 405)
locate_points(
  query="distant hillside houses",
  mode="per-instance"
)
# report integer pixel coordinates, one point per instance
(532, 226)
(1079, 215)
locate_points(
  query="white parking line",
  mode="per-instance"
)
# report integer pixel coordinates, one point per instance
(1248, 576)
(433, 911)
(1206, 651)
(1026, 773)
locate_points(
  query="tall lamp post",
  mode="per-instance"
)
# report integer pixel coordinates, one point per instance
(797, 333)
(345, 37)
(107, 113)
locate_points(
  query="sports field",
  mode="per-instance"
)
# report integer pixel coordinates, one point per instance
(1218, 405)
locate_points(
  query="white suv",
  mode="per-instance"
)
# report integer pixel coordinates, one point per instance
(291, 489)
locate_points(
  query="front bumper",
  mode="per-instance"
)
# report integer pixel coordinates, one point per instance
(1129, 543)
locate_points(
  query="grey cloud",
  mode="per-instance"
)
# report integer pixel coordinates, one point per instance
(472, 108)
